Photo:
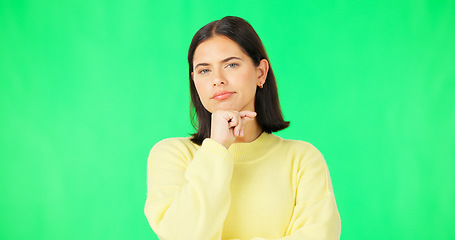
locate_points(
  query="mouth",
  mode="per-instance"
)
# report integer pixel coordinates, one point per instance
(223, 95)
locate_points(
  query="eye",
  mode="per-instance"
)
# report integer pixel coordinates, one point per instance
(232, 65)
(203, 71)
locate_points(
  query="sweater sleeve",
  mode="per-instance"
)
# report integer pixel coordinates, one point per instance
(315, 214)
(188, 198)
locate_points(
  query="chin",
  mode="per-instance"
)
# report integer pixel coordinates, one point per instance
(223, 106)
(229, 107)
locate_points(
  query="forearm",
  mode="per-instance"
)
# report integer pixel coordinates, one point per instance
(197, 208)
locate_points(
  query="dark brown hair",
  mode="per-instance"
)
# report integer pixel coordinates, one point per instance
(266, 103)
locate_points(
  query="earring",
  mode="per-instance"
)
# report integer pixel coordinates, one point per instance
(262, 85)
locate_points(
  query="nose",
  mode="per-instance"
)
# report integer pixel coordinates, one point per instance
(219, 78)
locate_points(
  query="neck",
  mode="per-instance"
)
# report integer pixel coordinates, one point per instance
(251, 131)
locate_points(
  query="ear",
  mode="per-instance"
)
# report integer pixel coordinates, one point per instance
(262, 70)
(192, 76)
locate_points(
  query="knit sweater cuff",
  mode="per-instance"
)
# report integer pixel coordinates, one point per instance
(214, 148)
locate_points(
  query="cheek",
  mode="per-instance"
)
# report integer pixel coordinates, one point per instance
(201, 89)
(203, 92)
(251, 82)
(253, 91)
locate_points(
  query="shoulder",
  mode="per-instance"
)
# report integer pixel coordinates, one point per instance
(300, 148)
(310, 171)
(176, 142)
(180, 147)
(304, 155)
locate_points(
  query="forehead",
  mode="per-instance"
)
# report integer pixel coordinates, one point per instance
(217, 48)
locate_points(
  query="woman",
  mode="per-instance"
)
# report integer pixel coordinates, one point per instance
(234, 179)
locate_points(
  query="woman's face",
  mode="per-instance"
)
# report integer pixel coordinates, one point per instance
(225, 77)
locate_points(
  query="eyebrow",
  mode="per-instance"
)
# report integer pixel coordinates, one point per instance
(223, 61)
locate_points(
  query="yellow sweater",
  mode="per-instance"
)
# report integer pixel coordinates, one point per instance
(270, 188)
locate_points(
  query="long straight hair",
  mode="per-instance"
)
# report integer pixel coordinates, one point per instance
(266, 103)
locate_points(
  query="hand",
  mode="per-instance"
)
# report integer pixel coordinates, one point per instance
(227, 125)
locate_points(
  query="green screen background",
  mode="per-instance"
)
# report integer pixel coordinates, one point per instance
(88, 87)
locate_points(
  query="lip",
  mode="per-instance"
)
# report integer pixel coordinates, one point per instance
(222, 95)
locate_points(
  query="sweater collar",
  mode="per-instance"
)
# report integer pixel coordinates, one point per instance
(255, 150)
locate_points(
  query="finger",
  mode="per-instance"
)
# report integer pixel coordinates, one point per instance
(236, 125)
(246, 119)
(247, 114)
(234, 121)
(238, 128)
